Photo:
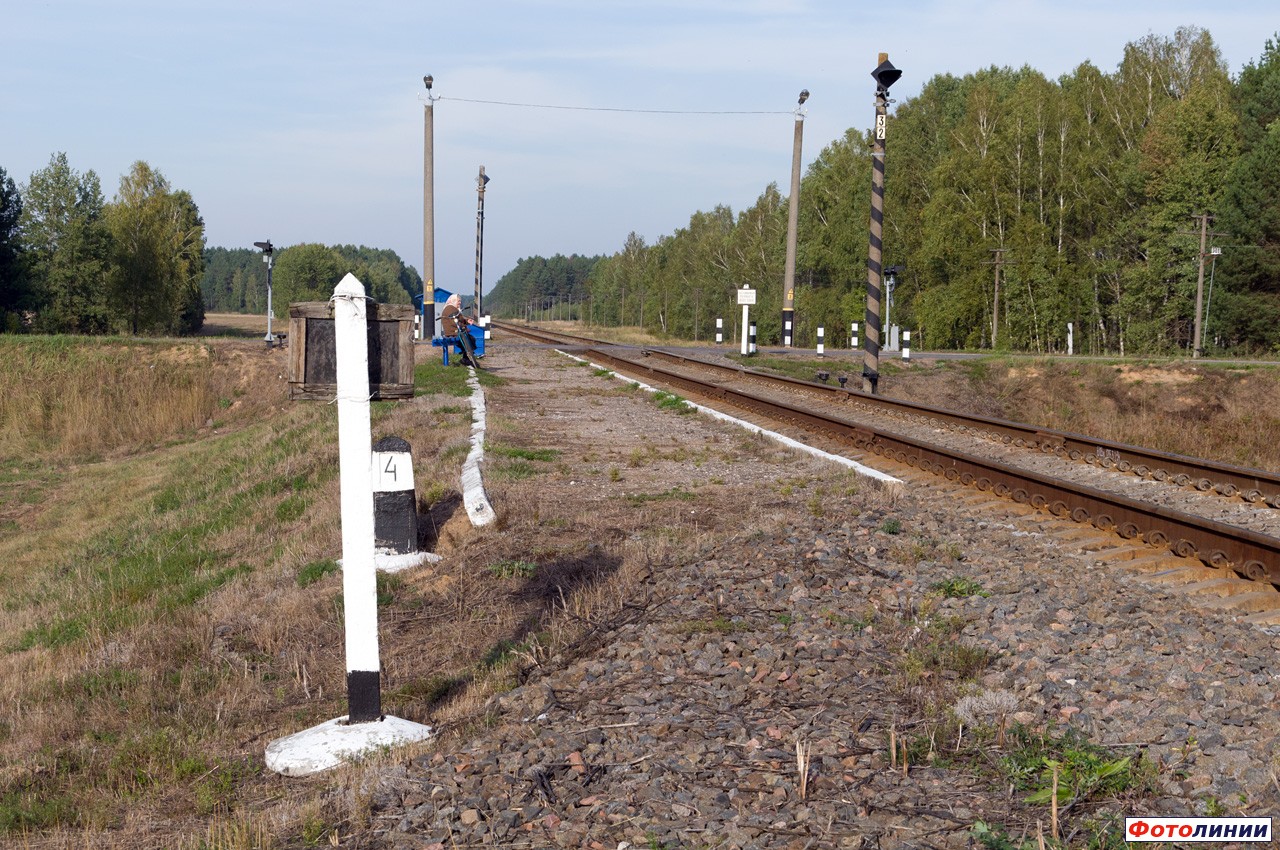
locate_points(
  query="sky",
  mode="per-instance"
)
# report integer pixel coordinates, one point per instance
(303, 121)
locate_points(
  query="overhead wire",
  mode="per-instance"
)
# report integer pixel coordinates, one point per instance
(617, 108)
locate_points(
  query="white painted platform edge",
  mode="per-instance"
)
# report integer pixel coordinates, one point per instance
(332, 743)
(473, 495)
(859, 468)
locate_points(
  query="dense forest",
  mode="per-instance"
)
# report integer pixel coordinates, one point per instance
(235, 279)
(1015, 204)
(537, 285)
(70, 262)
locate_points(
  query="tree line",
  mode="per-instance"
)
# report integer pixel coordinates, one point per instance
(70, 262)
(1014, 205)
(535, 281)
(235, 279)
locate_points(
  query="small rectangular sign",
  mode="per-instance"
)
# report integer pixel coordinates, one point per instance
(746, 296)
(392, 472)
(1197, 829)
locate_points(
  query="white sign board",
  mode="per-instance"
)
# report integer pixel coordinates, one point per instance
(392, 472)
(746, 296)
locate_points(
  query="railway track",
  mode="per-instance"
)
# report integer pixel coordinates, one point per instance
(1217, 544)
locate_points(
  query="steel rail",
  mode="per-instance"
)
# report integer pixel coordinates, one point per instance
(1255, 486)
(1255, 555)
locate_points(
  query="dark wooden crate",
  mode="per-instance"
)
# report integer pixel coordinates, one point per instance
(312, 357)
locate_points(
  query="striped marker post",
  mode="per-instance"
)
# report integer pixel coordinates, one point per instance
(853, 336)
(821, 346)
(719, 331)
(906, 345)
(786, 333)
(751, 339)
(885, 75)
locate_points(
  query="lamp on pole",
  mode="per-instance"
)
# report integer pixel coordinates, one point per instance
(890, 283)
(481, 180)
(885, 76)
(267, 257)
(428, 201)
(793, 219)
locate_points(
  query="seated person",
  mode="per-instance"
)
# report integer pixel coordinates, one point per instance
(453, 323)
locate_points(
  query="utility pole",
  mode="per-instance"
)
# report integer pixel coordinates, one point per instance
(885, 76)
(428, 203)
(793, 219)
(998, 262)
(1197, 344)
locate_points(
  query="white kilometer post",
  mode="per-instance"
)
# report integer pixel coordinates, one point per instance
(355, 477)
(364, 729)
(906, 345)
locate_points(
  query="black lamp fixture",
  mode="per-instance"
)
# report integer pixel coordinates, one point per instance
(804, 95)
(885, 75)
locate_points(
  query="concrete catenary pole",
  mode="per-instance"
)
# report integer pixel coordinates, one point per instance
(428, 203)
(885, 76)
(793, 224)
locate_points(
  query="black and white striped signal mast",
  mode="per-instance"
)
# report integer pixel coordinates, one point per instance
(268, 258)
(481, 181)
(885, 75)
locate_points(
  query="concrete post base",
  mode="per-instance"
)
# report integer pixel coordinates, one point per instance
(335, 742)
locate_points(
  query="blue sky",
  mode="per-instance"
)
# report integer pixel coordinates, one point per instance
(303, 121)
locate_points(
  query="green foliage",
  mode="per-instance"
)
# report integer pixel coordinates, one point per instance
(67, 249)
(958, 587)
(14, 292)
(546, 455)
(158, 260)
(513, 569)
(674, 403)
(1081, 188)
(540, 288)
(306, 272)
(891, 526)
(316, 570)
(1085, 770)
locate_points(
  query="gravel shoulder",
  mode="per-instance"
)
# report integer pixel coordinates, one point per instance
(780, 632)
